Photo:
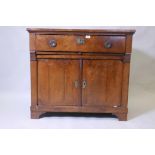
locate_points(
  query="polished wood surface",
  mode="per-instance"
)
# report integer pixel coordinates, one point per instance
(69, 43)
(88, 77)
(98, 57)
(83, 31)
(59, 82)
(104, 79)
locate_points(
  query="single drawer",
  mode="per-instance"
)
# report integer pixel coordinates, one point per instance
(85, 43)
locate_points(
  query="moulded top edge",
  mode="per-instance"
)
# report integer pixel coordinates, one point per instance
(45, 30)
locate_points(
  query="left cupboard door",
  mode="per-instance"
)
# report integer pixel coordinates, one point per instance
(59, 82)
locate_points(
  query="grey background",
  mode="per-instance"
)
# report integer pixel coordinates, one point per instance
(15, 85)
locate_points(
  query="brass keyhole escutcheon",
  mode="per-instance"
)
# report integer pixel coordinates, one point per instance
(80, 41)
(84, 84)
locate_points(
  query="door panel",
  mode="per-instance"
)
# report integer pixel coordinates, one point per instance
(103, 82)
(58, 82)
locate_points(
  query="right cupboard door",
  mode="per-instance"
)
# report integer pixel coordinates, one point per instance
(102, 83)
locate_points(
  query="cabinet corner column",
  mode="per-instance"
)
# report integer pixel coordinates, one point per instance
(34, 81)
(125, 86)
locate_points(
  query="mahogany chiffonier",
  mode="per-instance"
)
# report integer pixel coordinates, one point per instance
(80, 70)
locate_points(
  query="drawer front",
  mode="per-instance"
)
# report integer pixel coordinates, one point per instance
(114, 44)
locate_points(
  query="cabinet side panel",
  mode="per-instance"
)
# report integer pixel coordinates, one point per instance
(33, 83)
(129, 43)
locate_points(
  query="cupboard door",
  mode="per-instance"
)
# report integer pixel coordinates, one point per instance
(58, 82)
(102, 83)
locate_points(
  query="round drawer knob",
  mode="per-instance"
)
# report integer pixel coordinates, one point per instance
(107, 44)
(53, 43)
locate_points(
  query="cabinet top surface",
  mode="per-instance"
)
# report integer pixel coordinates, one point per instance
(45, 30)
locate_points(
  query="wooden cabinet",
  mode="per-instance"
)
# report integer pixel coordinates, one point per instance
(84, 71)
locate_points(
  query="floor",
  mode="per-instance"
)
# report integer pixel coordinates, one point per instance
(14, 113)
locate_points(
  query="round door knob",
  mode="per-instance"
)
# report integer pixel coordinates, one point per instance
(53, 43)
(107, 44)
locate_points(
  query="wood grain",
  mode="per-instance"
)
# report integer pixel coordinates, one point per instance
(129, 43)
(32, 41)
(82, 31)
(103, 79)
(125, 84)
(58, 73)
(57, 82)
(80, 57)
(69, 43)
(34, 85)
(84, 109)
